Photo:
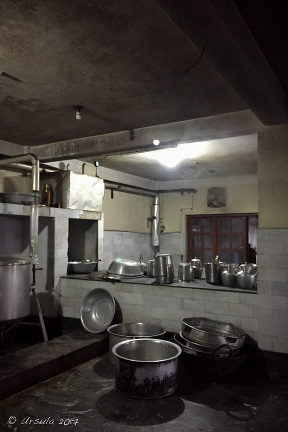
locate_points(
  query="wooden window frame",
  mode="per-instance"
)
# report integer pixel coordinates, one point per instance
(246, 252)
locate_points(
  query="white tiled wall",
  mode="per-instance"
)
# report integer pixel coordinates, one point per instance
(167, 305)
(126, 245)
(272, 261)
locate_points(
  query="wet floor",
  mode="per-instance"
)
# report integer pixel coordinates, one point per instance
(85, 399)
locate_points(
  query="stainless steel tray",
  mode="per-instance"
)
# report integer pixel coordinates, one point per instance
(207, 331)
(194, 349)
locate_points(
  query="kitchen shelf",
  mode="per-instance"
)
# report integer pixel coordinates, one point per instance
(24, 210)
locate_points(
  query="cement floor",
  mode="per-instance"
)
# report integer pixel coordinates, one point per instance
(85, 399)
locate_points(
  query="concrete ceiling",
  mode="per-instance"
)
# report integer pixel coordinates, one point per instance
(134, 65)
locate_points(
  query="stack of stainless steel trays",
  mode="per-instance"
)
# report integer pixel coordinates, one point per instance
(209, 336)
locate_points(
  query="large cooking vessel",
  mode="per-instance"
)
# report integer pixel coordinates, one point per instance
(164, 270)
(124, 331)
(197, 267)
(228, 274)
(246, 275)
(146, 368)
(212, 272)
(14, 289)
(185, 272)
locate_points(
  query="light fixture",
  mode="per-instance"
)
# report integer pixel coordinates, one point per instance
(78, 109)
(172, 156)
(156, 142)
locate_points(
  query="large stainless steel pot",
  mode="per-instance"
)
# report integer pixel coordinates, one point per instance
(246, 275)
(212, 272)
(124, 331)
(197, 268)
(14, 289)
(228, 274)
(185, 272)
(164, 270)
(146, 368)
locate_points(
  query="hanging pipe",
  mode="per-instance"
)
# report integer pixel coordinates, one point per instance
(34, 207)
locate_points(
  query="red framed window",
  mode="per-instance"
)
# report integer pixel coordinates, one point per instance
(232, 237)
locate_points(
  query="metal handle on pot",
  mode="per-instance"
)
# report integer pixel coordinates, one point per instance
(214, 353)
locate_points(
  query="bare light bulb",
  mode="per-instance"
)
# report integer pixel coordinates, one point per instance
(156, 142)
(78, 115)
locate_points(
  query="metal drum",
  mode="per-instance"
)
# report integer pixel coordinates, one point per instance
(14, 289)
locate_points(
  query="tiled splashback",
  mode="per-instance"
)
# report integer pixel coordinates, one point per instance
(131, 245)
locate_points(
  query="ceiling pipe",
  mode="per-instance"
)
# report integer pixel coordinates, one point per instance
(34, 207)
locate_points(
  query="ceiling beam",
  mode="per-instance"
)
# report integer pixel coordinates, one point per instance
(204, 129)
(232, 50)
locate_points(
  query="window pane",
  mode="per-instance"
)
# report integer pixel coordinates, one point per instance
(195, 225)
(224, 256)
(208, 241)
(238, 257)
(224, 224)
(224, 241)
(237, 241)
(196, 241)
(237, 225)
(208, 256)
(208, 225)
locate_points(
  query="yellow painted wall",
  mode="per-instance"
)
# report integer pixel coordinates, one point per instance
(273, 177)
(242, 197)
(126, 212)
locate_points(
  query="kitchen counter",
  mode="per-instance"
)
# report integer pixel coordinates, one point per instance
(197, 283)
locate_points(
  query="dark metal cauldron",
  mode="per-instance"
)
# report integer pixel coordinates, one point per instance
(146, 368)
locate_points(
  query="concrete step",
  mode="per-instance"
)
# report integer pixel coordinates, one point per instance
(32, 365)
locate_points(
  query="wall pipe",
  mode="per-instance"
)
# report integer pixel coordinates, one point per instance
(34, 207)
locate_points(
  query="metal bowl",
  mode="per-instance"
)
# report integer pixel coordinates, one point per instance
(125, 268)
(97, 310)
(81, 266)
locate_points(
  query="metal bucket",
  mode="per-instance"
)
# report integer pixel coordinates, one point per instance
(146, 368)
(123, 332)
(185, 272)
(213, 273)
(14, 289)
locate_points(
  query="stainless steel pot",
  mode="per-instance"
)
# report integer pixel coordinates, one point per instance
(151, 268)
(246, 275)
(185, 272)
(146, 368)
(125, 331)
(14, 289)
(212, 272)
(164, 270)
(228, 275)
(197, 268)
